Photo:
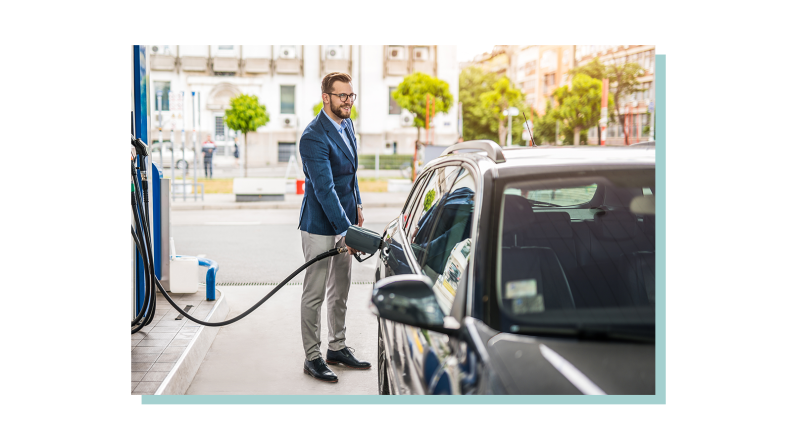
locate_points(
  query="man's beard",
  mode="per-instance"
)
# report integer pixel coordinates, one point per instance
(340, 112)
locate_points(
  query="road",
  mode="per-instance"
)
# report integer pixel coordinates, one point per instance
(258, 245)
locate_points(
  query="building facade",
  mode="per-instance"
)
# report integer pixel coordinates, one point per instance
(287, 80)
(537, 70)
(638, 108)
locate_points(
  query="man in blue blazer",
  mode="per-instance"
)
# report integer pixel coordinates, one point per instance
(330, 206)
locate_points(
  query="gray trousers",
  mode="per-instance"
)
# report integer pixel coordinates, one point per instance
(333, 276)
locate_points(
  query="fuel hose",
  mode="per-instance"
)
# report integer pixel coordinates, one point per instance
(141, 236)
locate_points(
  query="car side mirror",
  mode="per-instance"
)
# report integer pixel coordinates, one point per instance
(409, 299)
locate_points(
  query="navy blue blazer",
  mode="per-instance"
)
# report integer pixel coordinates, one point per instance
(329, 206)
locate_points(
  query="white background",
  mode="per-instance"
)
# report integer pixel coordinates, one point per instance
(65, 244)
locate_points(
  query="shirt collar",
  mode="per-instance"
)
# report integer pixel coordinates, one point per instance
(335, 124)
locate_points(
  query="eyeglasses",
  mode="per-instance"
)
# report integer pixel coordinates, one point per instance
(344, 96)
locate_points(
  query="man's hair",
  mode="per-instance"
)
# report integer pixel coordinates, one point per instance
(327, 82)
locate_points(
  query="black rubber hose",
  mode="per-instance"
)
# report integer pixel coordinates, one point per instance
(146, 296)
(148, 308)
(136, 328)
(322, 256)
(142, 223)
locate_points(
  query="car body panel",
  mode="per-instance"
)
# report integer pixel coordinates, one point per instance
(480, 359)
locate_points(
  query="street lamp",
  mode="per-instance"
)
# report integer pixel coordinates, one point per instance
(511, 111)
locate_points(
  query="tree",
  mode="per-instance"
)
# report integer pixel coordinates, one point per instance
(580, 106)
(480, 121)
(318, 107)
(246, 115)
(499, 99)
(622, 82)
(545, 127)
(411, 96)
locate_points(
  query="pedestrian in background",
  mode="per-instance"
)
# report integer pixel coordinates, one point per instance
(236, 153)
(208, 150)
(331, 205)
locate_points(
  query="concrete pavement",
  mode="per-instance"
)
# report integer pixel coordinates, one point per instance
(262, 354)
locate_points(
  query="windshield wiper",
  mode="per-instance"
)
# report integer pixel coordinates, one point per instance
(544, 203)
(630, 333)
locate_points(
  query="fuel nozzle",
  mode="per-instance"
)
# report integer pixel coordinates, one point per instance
(140, 147)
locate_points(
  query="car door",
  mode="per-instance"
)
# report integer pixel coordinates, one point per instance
(439, 236)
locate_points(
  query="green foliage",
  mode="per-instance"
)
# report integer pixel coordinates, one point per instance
(246, 114)
(580, 105)
(387, 162)
(622, 80)
(545, 127)
(483, 96)
(478, 122)
(411, 95)
(430, 196)
(318, 107)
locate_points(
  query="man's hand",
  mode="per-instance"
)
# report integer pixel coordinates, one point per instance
(350, 250)
(360, 217)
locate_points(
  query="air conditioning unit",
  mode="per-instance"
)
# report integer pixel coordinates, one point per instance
(334, 52)
(288, 120)
(421, 53)
(288, 52)
(396, 53)
(406, 119)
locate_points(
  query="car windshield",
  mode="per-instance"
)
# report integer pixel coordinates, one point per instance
(577, 255)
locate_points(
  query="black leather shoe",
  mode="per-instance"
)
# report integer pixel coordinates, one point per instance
(319, 370)
(345, 358)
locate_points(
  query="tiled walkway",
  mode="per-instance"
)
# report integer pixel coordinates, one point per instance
(157, 346)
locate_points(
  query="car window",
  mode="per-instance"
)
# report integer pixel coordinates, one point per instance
(444, 238)
(573, 196)
(594, 269)
(412, 206)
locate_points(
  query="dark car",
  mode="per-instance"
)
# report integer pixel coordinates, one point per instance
(521, 271)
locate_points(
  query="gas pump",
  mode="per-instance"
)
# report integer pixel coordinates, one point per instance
(147, 217)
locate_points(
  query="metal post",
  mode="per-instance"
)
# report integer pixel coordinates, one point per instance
(198, 130)
(433, 114)
(558, 126)
(184, 147)
(172, 148)
(509, 135)
(195, 151)
(426, 120)
(159, 117)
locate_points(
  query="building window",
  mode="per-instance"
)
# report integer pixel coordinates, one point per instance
(219, 129)
(285, 151)
(287, 99)
(393, 106)
(164, 87)
(530, 83)
(225, 47)
(549, 83)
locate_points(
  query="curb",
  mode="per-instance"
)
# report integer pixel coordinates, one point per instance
(181, 376)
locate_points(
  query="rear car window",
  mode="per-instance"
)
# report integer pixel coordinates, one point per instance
(578, 253)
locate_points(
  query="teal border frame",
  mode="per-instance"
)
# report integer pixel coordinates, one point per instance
(660, 345)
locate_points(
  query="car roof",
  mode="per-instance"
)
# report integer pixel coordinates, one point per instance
(540, 160)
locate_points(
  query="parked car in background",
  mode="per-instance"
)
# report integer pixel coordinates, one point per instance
(522, 271)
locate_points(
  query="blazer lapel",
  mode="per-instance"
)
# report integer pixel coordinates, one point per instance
(331, 130)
